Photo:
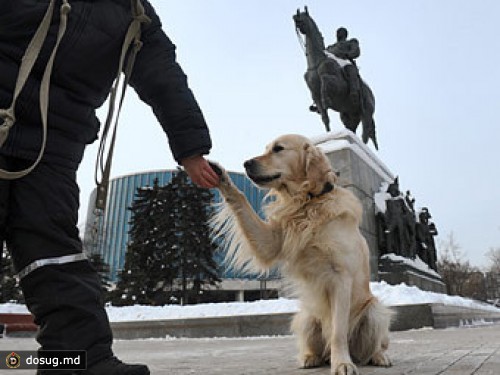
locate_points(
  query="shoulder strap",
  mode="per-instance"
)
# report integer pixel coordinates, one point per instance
(27, 63)
(133, 42)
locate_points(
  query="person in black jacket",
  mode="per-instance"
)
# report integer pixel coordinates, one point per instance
(38, 212)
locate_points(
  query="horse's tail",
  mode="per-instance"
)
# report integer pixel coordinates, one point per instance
(367, 110)
(373, 135)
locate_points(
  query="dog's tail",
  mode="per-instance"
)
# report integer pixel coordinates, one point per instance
(370, 334)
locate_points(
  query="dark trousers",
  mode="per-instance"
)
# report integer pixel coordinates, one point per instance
(38, 220)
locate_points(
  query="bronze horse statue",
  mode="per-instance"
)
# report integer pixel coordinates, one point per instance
(328, 85)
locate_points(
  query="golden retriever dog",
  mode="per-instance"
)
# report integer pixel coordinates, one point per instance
(312, 232)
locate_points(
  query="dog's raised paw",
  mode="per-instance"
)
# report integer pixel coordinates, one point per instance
(221, 172)
(217, 169)
(345, 369)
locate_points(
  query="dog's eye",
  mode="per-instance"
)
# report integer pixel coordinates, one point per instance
(278, 148)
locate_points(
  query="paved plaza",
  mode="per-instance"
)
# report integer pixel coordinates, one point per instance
(457, 351)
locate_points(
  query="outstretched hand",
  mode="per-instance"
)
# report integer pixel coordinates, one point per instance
(200, 171)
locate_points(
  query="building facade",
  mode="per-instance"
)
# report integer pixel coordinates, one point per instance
(108, 234)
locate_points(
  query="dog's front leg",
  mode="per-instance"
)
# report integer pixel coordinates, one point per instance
(261, 238)
(340, 300)
(311, 340)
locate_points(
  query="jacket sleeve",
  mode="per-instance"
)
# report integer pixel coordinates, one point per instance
(161, 83)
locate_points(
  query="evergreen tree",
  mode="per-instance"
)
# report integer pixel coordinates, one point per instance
(170, 248)
(190, 237)
(9, 284)
(166, 270)
(136, 281)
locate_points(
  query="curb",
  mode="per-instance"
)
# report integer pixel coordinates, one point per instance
(17, 325)
(233, 326)
(406, 317)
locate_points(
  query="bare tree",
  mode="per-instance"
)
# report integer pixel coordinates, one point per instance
(454, 269)
(493, 276)
(494, 255)
(93, 245)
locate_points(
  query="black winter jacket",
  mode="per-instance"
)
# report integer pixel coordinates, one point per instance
(85, 67)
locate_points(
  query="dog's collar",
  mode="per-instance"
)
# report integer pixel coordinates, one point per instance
(328, 187)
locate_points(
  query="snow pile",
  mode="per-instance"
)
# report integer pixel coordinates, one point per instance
(392, 295)
(203, 310)
(416, 263)
(402, 294)
(345, 139)
(13, 308)
(381, 197)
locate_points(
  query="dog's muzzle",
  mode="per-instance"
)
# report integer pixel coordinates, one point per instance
(252, 170)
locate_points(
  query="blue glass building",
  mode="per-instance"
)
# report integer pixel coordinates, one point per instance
(108, 234)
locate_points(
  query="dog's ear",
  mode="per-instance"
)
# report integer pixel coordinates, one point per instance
(317, 169)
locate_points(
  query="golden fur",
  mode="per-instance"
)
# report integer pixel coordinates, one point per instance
(313, 233)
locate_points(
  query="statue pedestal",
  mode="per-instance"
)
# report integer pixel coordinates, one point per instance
(362, 172)
(395, 270)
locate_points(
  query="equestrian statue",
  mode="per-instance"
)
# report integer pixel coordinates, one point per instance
(333, 78)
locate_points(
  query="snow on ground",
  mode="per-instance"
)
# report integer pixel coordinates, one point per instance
(392, 295)
(13, 308)
(402, 294)
(204, 310)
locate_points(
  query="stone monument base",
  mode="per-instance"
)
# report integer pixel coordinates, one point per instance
(395, 270)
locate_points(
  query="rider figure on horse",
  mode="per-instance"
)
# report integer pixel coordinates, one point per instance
(333, 79)
(348, 50)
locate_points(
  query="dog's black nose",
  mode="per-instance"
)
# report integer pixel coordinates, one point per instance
(249, 164)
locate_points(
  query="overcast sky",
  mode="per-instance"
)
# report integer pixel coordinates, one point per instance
(432, 65)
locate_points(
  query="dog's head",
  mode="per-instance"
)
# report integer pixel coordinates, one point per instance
(291, 165)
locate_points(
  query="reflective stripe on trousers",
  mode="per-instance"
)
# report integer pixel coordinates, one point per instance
(50, 262)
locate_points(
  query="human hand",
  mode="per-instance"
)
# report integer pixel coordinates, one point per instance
(200, 171)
